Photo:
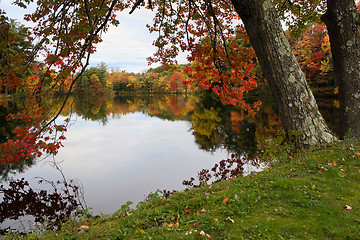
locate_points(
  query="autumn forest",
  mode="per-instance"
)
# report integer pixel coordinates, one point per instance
(264, 79)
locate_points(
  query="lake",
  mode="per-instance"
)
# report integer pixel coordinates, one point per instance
(122, 149)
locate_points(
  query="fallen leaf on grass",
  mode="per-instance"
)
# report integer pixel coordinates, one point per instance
(176, 224)
(347, 207)
(225, 200)
(81, 228)
(188, 210)
(142, 231)
(231, 220)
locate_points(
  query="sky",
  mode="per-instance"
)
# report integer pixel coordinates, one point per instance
(125, 47)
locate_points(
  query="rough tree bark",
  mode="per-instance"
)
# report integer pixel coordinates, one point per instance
(297, 105)
(342, 21)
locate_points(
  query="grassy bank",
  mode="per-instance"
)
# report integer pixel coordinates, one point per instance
(311, 195)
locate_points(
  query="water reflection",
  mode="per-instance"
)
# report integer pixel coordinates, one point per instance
(226, 169)
(20, 201)
(7, 132)
(125, 147)
(130, 157)
(213, 124)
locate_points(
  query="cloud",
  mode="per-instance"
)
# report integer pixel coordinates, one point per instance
(15, 12)
(126, 46)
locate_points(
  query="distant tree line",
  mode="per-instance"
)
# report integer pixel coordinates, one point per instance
(312, 50)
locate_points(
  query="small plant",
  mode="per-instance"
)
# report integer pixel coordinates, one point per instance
(154, 196)
(283, 146)
(50, 208)
(225, 169)
(124, 210)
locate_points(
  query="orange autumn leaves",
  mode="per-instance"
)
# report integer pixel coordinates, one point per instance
(313, 53)
(36, 63)
(231, 69)
(219, 50)
(230, 76)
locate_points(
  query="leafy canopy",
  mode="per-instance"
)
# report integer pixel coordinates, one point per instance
(36, 63)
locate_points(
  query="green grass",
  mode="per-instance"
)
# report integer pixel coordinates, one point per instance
(299, 197)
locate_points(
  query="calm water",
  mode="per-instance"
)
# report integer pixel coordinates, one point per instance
(124, 148)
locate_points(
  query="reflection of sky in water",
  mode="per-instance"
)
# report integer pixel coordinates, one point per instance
(128, 158)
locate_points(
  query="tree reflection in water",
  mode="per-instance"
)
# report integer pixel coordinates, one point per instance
(213, 125)
(224, 170)
(52, 206)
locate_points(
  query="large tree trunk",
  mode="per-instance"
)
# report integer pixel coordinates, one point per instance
(342, 21)
(297, 105)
